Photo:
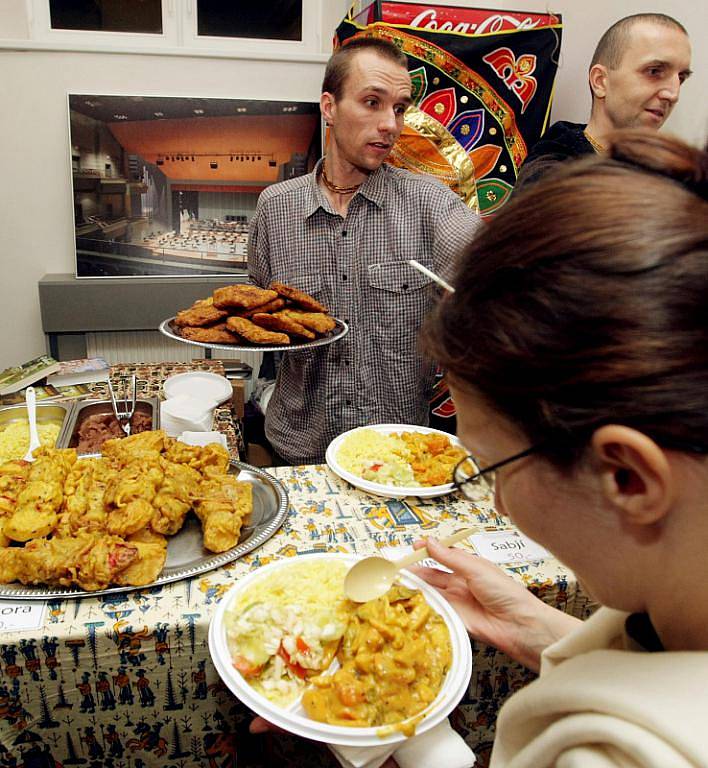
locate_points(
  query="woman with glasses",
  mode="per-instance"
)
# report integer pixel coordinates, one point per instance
(576, 346)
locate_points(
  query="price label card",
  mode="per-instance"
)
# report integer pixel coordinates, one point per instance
(508, 547)
(21, 615)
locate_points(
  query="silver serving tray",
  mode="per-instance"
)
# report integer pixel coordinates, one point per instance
(169, 329)
(186, 557)
(59, 413)
(70, 435)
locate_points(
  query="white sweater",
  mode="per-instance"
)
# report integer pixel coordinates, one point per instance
(603, 702)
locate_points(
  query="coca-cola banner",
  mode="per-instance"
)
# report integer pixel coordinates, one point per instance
(482, 90)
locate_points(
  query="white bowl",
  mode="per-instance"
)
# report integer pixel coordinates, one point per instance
(380, 489)
(201, 385)
(294, 718)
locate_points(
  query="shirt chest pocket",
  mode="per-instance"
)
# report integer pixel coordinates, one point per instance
(401, 297)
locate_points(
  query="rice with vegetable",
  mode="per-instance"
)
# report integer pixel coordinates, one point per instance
(287, 627)
(400, 459)
(14, 438)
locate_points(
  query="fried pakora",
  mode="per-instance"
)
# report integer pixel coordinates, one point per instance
(202, 312)
(254, 333)
(222, 506)
(242, 296)
(101, 521)
(215, 334)
(39, 501)
(90, 560)
(271, 306)
(280, 322)
(299, 297)
(149, 562)
(315, 321)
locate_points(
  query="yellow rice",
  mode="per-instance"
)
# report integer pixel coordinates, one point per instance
(14, 438)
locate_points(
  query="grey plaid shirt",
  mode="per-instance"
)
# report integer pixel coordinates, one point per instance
(357, 267)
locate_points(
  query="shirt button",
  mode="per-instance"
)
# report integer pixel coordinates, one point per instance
(344, 233)
(346, 362)
(405, 286)
(347, 402)
(344, 277)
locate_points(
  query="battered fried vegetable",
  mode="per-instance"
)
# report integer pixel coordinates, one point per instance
(150, 560)
(254, 333)
(90, 560)
(271, 306)
(222, 505)
(315, 321)
(242, 296)
(281, 322)
(177, 493)
(202, 312)
(299, 297)
(104, 519)
(40, 499)
(216, 334)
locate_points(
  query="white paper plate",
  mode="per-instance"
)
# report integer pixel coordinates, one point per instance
(294, 718)
(201, 385)
(379, 489)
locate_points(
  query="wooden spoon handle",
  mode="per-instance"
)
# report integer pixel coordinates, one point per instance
(421, 554)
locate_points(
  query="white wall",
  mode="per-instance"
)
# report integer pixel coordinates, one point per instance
(36, 216)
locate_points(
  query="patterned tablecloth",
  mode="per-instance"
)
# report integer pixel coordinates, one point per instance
(125, 681)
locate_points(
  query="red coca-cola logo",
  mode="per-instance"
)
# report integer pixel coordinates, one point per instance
(464, 21)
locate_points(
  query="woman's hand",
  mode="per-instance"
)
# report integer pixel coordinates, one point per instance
(496, 609)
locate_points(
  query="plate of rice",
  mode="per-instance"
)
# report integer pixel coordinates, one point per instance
(292, 648)
(396, 460)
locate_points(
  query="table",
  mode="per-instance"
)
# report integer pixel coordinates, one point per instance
(125, 681)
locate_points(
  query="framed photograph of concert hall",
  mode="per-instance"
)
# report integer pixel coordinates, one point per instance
(166, 186)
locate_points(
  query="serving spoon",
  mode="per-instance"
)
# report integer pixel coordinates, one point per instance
(373, 576)
(34, 443)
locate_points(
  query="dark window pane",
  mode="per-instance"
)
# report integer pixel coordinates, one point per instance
(138, 16)
(271, 20)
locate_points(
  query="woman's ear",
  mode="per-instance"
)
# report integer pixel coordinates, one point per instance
(636, 476)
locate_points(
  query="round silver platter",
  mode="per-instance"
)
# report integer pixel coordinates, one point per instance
(169, 329)
(186, 557)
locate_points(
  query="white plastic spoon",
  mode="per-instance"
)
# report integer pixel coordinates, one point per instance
(34, 443)
(373, 576)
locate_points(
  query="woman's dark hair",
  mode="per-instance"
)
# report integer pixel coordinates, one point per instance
(340, 61)
(585, 301)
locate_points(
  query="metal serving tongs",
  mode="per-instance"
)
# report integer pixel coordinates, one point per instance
(125, 407)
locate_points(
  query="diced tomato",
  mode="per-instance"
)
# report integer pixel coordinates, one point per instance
(302, 646)
(245, 667)
(293, 666)
(375, 467)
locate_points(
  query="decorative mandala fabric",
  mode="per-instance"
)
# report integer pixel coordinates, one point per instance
(482, 90)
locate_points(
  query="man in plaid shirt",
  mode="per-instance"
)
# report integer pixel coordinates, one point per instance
(344, 234)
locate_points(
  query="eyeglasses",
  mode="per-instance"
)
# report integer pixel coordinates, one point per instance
(468, 477)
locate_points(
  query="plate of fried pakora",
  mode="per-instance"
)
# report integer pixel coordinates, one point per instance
(277, 319)
(146, 511)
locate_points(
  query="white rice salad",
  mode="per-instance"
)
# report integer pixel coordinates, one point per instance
(287, 627)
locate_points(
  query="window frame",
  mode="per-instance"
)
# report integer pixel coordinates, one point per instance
(179, 35)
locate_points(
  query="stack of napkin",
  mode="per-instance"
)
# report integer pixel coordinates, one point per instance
(438, 747)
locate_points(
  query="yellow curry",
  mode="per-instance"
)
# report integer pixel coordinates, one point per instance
(394, 657)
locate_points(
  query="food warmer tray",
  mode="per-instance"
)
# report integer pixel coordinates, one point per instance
(186, 556)
(70, 435)
(169, 329)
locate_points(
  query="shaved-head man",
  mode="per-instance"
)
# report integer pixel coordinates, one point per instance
(635, 77)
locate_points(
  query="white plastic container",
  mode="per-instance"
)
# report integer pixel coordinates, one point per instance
(294, 719)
